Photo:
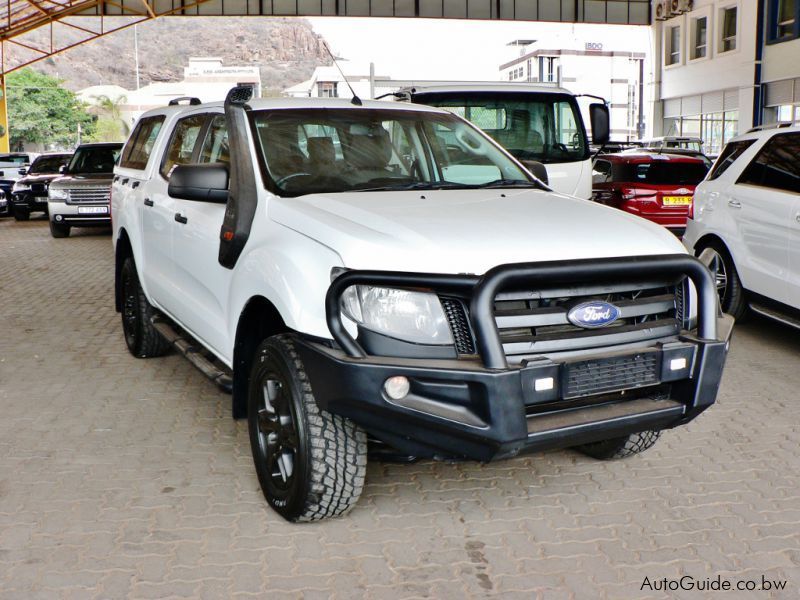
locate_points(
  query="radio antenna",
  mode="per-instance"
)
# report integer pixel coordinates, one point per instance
(356, 100)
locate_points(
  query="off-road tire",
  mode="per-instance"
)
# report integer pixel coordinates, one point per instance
(621, 447)
(141, 337)
(330, 460)
(59, 231)
(21, 214)
(733, 300)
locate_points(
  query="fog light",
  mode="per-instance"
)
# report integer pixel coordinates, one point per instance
(544, 384)
(396, 387)
(59, 217)
(677, 364)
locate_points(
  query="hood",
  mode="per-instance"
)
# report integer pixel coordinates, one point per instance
(38, 178)
(467, 231)
(83, 180)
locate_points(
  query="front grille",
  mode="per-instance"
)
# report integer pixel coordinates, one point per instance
(610, 374)
(88, 195)
(459, 326)
(531, 322)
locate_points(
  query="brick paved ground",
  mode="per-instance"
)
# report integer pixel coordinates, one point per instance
(127, 478)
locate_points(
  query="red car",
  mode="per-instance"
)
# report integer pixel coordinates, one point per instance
(658, 187)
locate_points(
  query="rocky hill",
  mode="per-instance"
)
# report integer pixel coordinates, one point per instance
(286, 50)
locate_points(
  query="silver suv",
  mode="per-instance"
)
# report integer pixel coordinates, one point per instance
(81, 197)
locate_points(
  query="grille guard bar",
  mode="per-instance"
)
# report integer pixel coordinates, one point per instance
(482, 291)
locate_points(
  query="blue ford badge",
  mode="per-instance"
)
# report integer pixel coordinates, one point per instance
(593, 314)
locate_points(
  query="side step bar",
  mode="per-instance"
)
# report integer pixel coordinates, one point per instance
(771, 313)
(594, 423)
(194, 354)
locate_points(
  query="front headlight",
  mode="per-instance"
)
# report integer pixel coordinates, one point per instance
(415, 317)
(57, 194)
(20, 187)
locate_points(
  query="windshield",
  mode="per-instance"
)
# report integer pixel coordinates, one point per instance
(15, 159)
(94, 159)
(306, 151)
(49, 164)
(545, 127)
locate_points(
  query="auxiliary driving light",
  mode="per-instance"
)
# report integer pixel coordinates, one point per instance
(677, 364)
(544, 384)
(397, 387)
(59, 217)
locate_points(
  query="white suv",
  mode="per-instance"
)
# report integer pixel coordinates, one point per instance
(747, 211)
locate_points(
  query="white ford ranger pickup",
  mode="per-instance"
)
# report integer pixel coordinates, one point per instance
(385, 275)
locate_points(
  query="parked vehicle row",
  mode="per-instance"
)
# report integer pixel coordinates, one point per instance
(388, 272)
(29, 193)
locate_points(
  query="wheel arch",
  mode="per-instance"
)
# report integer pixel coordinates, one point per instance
(258, 320)
(122, 250)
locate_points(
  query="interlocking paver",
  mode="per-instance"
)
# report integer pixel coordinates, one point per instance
(127, 478)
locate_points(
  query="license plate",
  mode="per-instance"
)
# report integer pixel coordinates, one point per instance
(676, 200)
(93, 210)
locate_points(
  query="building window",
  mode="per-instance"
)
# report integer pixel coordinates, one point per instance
(548, 68)
(783, 21)
(673, 54)
(699, 36)
(327, 89)
(728, 29)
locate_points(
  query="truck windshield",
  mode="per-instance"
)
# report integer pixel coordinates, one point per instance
(94, 159)
(306, 151)
(540, 126)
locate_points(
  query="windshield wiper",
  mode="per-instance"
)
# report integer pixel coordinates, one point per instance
(512, 183)
(418, 185)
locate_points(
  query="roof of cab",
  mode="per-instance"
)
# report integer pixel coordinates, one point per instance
(289, 103)
(493, 87)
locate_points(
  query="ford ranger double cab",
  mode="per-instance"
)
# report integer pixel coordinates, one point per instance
(386, 275)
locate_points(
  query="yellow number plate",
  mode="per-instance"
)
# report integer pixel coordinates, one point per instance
(676, 200)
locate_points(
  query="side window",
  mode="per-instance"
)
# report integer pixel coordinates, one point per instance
(140, 143)
(601, 171)
(732, 151)
(181, 145)
(776, 165)
(215, 146)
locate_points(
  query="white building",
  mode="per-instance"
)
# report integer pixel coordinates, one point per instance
(780, 67)
(589, 66)
(706, 59)
(327, 82)
(204, 78)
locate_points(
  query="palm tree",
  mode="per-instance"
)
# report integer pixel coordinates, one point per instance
(112, 109)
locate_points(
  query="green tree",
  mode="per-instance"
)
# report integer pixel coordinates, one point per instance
(41, 111)
(111, 110)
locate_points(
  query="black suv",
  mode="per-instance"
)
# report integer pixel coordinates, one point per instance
(29, 194)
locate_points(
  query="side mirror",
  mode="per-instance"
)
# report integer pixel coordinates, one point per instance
(23, 171)
(62, 169)
(203, 183)
(537, 168)
(600, 120)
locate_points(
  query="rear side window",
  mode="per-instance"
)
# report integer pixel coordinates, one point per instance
(182, 144)
(137, 151)
(776, 166)
(729, 155)
(662, 173)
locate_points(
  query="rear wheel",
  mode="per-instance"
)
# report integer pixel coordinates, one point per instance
(59, 231)
(141, 337)
(620, 447)
(729, 286)
(310, 464)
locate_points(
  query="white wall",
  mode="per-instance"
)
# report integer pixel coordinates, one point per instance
(781, 61)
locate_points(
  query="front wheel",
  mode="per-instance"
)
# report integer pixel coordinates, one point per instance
(311, 464)
(59, 231)
(141, 337)
(620, 447)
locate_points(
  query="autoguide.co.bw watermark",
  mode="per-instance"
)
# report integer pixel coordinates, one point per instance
(712, 584)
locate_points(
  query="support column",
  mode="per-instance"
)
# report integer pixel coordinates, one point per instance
(4, 145)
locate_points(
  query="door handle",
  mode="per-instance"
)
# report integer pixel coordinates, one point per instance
(135, 184)
(148, 202)
(181, 219)
(734, 204)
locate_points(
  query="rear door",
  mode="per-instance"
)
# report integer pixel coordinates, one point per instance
(203, 282)
(763, 207)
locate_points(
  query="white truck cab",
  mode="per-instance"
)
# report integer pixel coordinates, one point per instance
(363, 272)
(539, 125)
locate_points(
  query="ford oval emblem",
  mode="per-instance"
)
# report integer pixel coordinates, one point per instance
(593, 314)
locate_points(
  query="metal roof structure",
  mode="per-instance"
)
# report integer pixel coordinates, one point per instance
(31, 30)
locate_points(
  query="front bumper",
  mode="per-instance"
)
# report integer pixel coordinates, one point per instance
(30, 201)
(483, 408)
(77, 215)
